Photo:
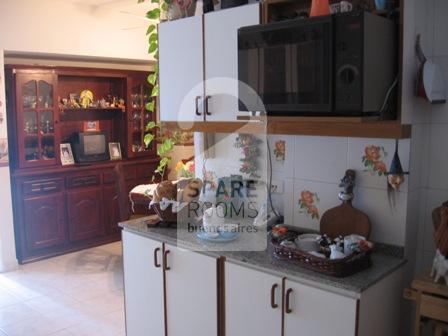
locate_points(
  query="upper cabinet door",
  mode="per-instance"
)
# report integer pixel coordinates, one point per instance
(253, 302)
(191, 293)
(221, 59)
(317, 312)
(181, 70)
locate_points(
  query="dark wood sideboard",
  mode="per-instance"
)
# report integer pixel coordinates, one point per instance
(58, 209)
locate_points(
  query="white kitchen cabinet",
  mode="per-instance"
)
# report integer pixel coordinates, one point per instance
(253, 302)
(143, 283)
(191, 293)
(317, 312)
(221, 59)
(181, 69)
(199, 65)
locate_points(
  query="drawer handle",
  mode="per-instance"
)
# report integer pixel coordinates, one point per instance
(156, 263)
(273, 304)
(165, 262)
(288, 310)
(196, 102)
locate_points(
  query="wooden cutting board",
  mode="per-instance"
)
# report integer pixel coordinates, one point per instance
(345, 220)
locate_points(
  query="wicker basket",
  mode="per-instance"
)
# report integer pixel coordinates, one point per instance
(349, 265)
(169, 217)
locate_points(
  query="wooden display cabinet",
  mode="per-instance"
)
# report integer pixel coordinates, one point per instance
(139, 117)
(58, 208)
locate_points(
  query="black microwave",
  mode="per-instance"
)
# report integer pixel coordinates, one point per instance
(338, 65)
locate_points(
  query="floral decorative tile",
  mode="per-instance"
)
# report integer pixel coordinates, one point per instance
(311, 200)
(280, 150)
(308, 204)
(373, 160)
(282, 154)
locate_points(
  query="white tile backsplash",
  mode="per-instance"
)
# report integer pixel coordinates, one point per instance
(388, 223)
(440, 27)
(321, 159)
(438, 156)
(283, 198)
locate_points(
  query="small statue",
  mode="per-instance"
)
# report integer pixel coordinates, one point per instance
(347, 183)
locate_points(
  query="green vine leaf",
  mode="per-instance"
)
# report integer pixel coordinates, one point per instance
(164, 6)
(150, 106)
(152, 78)
(140, 1)
(153, 14)
(155, 91)
(153, 37)
(150, 29)
(148, 139)
(154, 1)
(152, 47)
(151, 125)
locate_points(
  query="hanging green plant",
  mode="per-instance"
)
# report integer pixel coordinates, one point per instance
(166, 145)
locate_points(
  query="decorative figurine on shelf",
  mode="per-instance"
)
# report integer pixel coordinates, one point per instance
(347, 183)
(121, 104)
(86, 98)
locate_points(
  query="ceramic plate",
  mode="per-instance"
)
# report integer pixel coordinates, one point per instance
(203, 236)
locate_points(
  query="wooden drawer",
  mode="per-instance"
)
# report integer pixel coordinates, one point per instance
(46, 186)
(83, 181)
(109, 177)
(129, 173)
(145, 172)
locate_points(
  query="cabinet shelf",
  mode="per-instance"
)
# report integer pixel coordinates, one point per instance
(70, 114)
(312, 126)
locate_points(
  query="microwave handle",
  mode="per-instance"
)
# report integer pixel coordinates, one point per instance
(196, 101)
(207, 112)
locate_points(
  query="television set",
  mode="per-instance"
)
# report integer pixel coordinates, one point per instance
(90, 147)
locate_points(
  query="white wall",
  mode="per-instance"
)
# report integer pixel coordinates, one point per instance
(74, 28)
(430, 127)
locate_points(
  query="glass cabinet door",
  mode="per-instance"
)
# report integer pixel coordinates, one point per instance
(36, 115)
(139, 118)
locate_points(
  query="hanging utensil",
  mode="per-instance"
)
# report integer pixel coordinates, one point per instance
(395, 176)
(430, 81)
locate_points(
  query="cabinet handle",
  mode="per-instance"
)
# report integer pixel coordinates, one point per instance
(165, 262)
(288, 310)
(206, 105)
(156, 263)
(273, 304)
(196, 101)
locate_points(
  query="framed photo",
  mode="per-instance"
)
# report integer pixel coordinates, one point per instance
(114, 150)
(91, 126)
(67, 155)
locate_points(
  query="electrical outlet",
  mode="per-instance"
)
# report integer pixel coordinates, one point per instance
(277, 187)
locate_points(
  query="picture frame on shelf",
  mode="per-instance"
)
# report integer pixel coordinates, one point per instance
(115, 151)
(67, 155)
(91, 126)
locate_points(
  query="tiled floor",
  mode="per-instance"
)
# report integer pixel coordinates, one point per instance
(76, 294)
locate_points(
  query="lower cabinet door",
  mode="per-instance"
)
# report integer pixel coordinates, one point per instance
(44, 221)
(317, 312)
(253, 302)
(85, 218)
(111, 211)
(191, 293)
(143, 284)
